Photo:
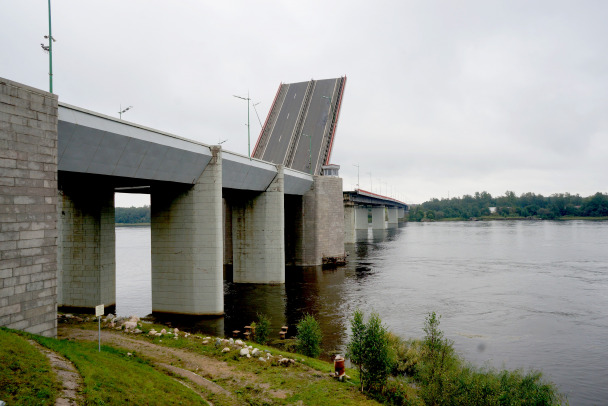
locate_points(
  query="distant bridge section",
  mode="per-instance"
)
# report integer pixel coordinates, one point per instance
(300, 128)
(385, 211)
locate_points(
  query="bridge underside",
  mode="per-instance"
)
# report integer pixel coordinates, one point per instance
(301, 125)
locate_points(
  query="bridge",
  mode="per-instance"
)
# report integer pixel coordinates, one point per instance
(301, 125)
(60, 166)
(385, 212)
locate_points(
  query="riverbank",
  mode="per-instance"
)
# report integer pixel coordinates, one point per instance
(502, 218)
(173, 367)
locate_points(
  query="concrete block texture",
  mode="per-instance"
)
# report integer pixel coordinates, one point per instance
(187, 244)
(316, 227)
(87, 240)
(28, 215)
(258, 234)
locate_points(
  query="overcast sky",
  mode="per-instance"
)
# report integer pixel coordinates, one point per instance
(442, 97)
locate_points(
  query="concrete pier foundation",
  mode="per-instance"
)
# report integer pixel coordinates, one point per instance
(378, 218)
(187, 244)
(258, 234)
(400, 212)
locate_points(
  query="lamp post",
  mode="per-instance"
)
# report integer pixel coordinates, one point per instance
(49, 48)
(248, 133)
(309, 151)
(123, 111)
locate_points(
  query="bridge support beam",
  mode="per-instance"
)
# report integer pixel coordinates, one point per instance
(87, 260)
(187, 244)
(393, 216)
(258, 234)
(401, 212)
(378, 218)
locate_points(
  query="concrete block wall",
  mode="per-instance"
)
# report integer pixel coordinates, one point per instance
(187, 244)
(258, 234)
(349, 223)
(28, 209)
(87, 240)
(320, 238)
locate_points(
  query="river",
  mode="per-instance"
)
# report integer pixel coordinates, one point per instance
(514, 294)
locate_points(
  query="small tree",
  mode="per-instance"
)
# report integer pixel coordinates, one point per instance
(378, 360)
(262, 329)
(355, 349)
(309, 336)
(369, 349)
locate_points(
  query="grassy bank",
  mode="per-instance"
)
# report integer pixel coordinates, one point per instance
(25, 373)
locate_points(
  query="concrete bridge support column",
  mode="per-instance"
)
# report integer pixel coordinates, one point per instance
(392, 216)
(349, 223)
(187, 244)
(258, 234)
(87, 260)
(361, 218)
(378, 218)
(400, 212)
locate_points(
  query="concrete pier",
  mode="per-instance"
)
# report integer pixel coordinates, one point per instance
(187, 244)
(378, 218)
(392, 216)
(87, 265)
(258, 234)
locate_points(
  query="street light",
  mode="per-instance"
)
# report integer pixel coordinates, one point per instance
(309, 151)
(49, 48)
(248, 133)
(123, 111)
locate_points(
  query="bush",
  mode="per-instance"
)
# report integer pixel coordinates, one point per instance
(369, 349)
(262, 329)
(309, 336)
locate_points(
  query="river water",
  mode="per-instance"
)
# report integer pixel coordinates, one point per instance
(514, 294)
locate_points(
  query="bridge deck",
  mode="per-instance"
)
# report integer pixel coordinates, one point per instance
(300, 127)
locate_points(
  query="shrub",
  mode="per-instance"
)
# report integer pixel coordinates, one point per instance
(262, 329)
(369, 349)
(309, 336)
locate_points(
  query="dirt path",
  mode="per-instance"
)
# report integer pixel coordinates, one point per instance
(197, 368)
(68, 375)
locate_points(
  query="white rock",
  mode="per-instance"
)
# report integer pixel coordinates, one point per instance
(158, 334)
(262, 359)
(152, 332)
(244, 352)
(130, 325)
(255, 352)
(137, 331)
(238, 342)
(175, 337)
(163, 331)
(231, 340)
(129, 354)
(175, 330)
(134, 318)
(205, 341)
(226, 349)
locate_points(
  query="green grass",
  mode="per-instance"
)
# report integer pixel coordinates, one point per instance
(26, 377)
(111, 377)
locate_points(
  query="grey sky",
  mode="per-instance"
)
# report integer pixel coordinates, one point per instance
(442, 96)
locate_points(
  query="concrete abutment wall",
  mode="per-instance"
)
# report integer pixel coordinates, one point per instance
(28, 209)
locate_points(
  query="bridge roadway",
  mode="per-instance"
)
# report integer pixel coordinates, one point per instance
(300, 127)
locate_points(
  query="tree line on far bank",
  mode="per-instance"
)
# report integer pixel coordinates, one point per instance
(527, 205)
(132, 215)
